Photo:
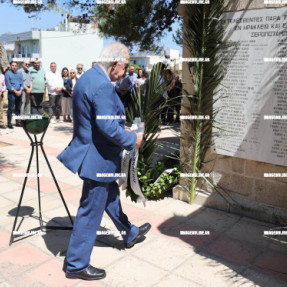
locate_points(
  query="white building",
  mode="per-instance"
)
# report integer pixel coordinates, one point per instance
(171, 53)
(67, 45)
(167, 56)
(10, 48)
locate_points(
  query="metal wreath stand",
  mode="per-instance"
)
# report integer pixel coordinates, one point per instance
(38, 126)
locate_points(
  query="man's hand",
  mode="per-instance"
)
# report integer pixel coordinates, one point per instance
(127, 129)
(58, 90)
(140, 140)
(18, 93)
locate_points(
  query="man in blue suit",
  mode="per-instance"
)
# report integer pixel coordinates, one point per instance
(95, 153)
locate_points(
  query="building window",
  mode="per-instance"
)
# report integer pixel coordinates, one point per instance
(28, 52)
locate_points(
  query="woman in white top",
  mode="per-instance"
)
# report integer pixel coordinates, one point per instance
(141, 80)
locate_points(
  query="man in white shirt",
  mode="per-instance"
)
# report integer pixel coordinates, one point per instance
(80, 71)
(55, 84)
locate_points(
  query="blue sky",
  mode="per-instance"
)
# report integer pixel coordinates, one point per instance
(15, 20)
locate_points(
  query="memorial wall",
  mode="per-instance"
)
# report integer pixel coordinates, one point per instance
(253, 113)
(254, 104)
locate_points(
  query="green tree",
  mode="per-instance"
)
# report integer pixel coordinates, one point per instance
(178, 35)
(138, 22)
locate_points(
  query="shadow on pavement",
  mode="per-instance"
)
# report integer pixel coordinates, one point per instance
(57, 241)
(235, 242)
(67, 129)
(4, 163)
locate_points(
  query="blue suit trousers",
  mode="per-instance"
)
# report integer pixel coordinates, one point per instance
(97, 197)
(13, 100)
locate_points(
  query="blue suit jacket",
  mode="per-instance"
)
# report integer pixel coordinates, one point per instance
(97, 143)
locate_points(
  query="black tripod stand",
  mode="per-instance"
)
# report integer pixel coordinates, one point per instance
(37, 127)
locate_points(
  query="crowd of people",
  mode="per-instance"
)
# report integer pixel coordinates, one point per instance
(171, 97)
(26, 88)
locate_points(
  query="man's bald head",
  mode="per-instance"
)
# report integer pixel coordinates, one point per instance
(114, 52)
(114, 58)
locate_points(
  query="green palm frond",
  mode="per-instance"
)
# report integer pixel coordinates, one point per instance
(204, 38)
(148, 108)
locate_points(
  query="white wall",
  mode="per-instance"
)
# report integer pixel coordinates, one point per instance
(147, 61)
(174, 54)
(68, 49)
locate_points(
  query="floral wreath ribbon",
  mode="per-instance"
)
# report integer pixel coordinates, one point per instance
(130, 163)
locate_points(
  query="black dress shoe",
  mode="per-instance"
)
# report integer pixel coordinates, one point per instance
(3, 127)
(10, 127)
(90, 273)
(143, 230)
(18, 125)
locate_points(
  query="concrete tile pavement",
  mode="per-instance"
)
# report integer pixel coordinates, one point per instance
(235, 253)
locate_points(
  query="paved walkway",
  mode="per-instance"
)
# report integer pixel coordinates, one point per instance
(235, 253)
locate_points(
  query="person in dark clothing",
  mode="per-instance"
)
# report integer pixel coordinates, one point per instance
(123, 88)
(66, 95)
(174, 99)
(160, 83)
(177, 94)
(15, 86)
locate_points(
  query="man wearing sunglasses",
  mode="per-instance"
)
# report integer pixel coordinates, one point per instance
(95, 153)
(27, 82)
(80, 71)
